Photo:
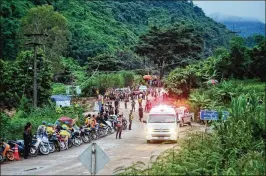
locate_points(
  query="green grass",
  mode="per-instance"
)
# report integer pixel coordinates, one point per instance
(13, 127)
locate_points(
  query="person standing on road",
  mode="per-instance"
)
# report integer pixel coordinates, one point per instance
(27, 136)
(119, 126)
(140, 113)
(116, 102)
(111, 112)
(125, 103)
(133, 105)
(131, 117)
(146, 106)
(140, 101)
(116, 110)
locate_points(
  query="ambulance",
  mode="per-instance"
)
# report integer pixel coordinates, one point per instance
(162, 124)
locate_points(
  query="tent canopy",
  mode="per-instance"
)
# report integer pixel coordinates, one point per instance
(147, 77)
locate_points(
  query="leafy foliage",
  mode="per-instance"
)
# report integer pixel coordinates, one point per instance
(44, 20)
(17, 79)
(15, 125)
(11, 13)
(102, 27)
(58, 88)
(240, 62)
(181, 45)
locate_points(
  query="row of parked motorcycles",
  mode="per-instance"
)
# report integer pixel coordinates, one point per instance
(55, 142)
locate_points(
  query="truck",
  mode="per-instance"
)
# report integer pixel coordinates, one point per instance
(162, 124)
(184, 116)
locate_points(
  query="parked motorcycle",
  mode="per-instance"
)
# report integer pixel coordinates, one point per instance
(9, 154)
(41, 145)
(20, 144)
(85, 135)
(62, 143)
(110, 127)
(75, 137)
(92, 132)
(54, 142)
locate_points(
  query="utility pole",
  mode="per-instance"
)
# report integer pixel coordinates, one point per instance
(35, 77)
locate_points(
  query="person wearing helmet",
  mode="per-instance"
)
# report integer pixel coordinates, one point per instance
(50, 129)
(68, 126)
(65, 134)
(93, 121)
(119, 126)
(41, 131)
(58, 127)
(87, 120)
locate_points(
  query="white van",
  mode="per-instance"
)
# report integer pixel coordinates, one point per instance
(162, 124)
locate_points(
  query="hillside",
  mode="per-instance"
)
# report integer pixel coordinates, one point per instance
(244, 25)
(107, 26)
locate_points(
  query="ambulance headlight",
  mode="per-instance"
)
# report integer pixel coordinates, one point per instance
(172, 130)
(149, 130)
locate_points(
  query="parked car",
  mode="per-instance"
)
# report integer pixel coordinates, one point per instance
(184, 116)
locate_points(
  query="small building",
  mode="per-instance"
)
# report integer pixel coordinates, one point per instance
(61, 100)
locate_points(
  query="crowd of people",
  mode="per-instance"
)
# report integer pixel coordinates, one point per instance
(107, 107)
(110, 102)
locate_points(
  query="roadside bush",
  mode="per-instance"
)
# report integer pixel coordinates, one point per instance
(5, 124)
(128, 77)
(235, 147)
(58, 88)
(105, 81)
(36, 116)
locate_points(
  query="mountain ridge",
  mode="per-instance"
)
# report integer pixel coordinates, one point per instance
(244, 26)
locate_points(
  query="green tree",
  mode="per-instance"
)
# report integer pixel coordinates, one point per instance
(180, 44)
(44, 20)
(258, 55)
(104, 62)
(240, 61)
(17, 80)
(11, 13)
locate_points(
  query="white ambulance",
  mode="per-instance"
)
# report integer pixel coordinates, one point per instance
(162, 124)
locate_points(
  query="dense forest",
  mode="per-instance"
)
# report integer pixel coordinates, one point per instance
(103, 35)
(100, 27)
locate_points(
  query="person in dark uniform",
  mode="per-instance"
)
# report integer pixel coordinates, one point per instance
(116, 102)
(131, 117)
(140, 113)
(125, 103)
(111, 111)
(27, 136)
(119, 126)
(116, 110)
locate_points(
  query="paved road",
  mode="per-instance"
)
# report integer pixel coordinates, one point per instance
(122, 152)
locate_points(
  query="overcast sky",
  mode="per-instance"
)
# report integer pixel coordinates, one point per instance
(255, 9)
